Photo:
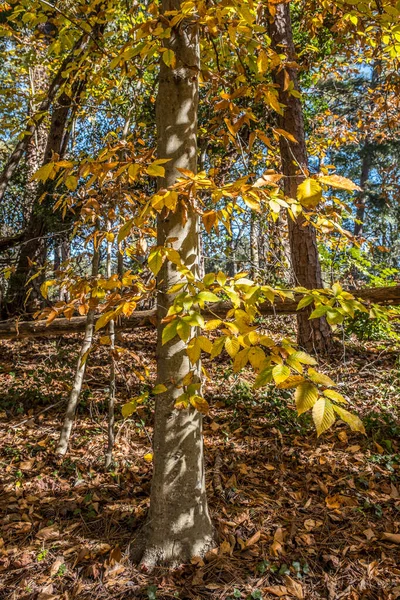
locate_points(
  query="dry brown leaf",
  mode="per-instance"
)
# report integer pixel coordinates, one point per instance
(391, 537)
(276, 590)
(369, 534)
(49, 533)
(225, 548)
(56, 565)
(254, 539)
(294, 587)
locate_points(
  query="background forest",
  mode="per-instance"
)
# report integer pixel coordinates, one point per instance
(199, 291)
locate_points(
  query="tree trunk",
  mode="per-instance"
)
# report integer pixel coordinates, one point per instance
(313, 335)
(366, 164)
(53, 90)
(254, 249)
(34, 247)
(80, 370)
(179, 526)
(111, 396)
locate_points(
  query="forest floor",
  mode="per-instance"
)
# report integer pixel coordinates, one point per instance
(296, 516)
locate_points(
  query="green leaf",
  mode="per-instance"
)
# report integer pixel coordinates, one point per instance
(206, 296)
(305, 301)
(183, 329)
(323, 415)
(306, 395)
(159, 389)
(320, 311)
(348, 417)
(128, 409)
(263, 378)
(309, 193)
(169, 331)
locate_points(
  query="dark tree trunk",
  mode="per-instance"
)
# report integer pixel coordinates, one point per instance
(315, 334)
(366, 164)
(33, 251)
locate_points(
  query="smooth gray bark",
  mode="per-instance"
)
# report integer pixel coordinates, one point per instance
(179, 526)
(111, 396)
(80, 370)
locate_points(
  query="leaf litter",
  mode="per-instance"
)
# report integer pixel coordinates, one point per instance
(295, 516)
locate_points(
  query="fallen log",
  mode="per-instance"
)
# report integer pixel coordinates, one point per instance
(385, 296)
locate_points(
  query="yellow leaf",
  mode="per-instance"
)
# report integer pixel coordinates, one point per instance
(128, 409)
(205, 344)
(352, 420)
(217, 347)
(104, 319)
(44, 173)
(334, 395)
(125, 230)
(305, 396)
(169, 58)
(155, 260)
(155, 170)
(200, 404)
(232, 346)
(133, 171)
(241, 360)
(256, 357)
(193, 350)
(71, 183)
(320, 378)
(323, 415)
(159, 389)
(286, 135)
(339, 182)
(309, 193)
(303, 357)
(262, 62)
(44, 288)
(148, 457)
(280, 373)
(291, 382)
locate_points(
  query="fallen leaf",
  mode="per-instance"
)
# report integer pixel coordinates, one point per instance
(276, 590)
(391, 537)
(369, 534)
(294, 588)
(55, 567)
(48, 533)
(254, 539)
